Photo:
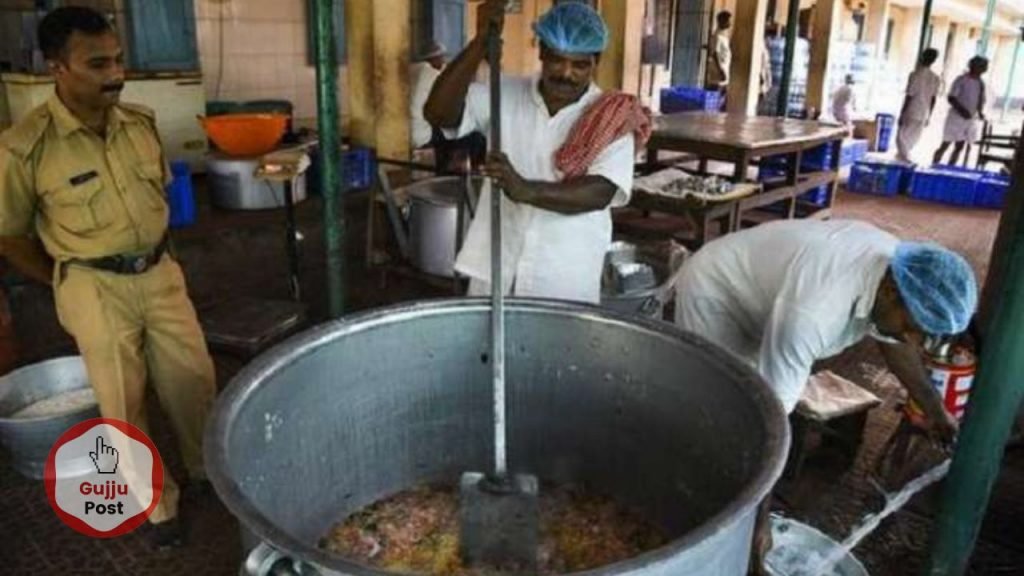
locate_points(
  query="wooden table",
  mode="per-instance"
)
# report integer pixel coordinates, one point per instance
(705, 213)
(741, 140)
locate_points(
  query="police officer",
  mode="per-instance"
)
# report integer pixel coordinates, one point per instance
(82, 207)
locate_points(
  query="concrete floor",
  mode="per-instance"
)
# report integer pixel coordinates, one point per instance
(241, 254)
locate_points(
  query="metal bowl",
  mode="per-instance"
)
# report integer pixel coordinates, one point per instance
(29, 439)
(798, 548)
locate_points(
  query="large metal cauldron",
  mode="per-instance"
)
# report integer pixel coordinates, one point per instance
(358, 409)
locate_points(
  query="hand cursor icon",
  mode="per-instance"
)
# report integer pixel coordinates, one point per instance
(105, 457)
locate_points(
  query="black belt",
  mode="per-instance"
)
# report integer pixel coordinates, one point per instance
(125, 263)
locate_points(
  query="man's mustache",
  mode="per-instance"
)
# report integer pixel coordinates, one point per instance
(113, 87)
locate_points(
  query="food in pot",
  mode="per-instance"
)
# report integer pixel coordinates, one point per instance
(63, 403)
(417, 531)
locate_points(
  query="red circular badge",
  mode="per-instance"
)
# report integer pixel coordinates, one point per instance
(104, 477)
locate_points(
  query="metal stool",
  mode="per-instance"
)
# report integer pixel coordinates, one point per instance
(245, 327)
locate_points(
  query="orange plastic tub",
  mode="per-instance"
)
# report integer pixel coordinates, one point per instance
(245, 134)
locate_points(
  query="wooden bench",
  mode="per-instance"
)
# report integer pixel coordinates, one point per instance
(833, 408)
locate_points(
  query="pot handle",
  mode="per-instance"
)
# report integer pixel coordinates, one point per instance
(397, 224)
(667, 291)
(264, 560)
(649, 306)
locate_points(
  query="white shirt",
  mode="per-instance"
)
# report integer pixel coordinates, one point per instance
(722, 55)
(786, 294)
(922, 88)
(843, 103)
(766, 71)
(545, 254)
(423, 76)
(967, 90)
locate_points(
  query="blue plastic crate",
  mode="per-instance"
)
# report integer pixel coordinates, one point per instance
(689, 99)
(180, 197)
(816, 159)
(880, 179)
(991, 192)
(940, 184)
(817, 196)
(886, 124)
(853, 151)
(770, 169)
(819, 158)
(357, 168)
(813, 160)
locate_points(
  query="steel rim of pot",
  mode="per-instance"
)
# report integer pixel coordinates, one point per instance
(777, 433)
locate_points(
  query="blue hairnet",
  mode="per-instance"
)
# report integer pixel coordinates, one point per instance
(572, 28)
(937, 286)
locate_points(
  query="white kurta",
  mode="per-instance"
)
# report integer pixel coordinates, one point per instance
(923, 88)
(843, 104)
(720, 60)
(422, 76)
(544, 254)
(784, 295)
(968, 91)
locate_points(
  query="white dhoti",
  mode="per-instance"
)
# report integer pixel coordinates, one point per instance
(959, 129)
(907, 137)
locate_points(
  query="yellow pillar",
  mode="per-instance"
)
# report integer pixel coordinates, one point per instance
(392, 33)
(781, 11)
(877, 25)
(907, 42)
(876, 28)
(940, 33)
(360, 86)
(960, 51)
(521, 55)
(620, 64)
(1000, 68)
(747, 51)
(993, 50)
(826, 22)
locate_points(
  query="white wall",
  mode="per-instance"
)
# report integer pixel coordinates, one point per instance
(264, 52)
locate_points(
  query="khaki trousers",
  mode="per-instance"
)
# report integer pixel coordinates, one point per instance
(134, 329)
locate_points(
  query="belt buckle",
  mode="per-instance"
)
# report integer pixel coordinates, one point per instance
(139, 264)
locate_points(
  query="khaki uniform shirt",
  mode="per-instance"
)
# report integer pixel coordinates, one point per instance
(84, 196)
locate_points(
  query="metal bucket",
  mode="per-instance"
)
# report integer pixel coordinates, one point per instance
(29, 439)
(429, 235)
(798, 549)
(358, 409)
(433, 224)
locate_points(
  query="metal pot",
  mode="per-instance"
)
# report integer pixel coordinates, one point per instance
(358, 409)
(234, 185)
(30, 439)
(668, 269)
(432, 218)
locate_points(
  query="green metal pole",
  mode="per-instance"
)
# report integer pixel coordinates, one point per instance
(926, 20)
(996, 396)
(331, 184)
(986, 31)
(792, 24)
(1013, 72)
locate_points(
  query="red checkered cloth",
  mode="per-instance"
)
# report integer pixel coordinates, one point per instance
(611, 117)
